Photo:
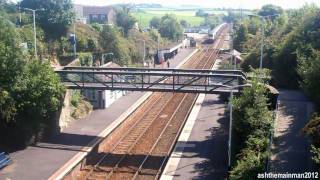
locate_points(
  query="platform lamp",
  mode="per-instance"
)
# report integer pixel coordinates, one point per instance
(34, 28)
(144, 52)
(262, 32)
(230, 116)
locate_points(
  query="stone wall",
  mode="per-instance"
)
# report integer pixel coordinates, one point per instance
(65, 114)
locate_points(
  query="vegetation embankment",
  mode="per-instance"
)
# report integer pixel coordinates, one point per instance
(291, 52)
(253, 123)
(30, 92)
(80, 107)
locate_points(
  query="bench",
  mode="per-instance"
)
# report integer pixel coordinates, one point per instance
(4, 160)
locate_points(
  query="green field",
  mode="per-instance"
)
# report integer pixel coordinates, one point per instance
(144, 17)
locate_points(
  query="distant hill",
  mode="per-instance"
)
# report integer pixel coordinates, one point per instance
(148, 5)
(189, 6)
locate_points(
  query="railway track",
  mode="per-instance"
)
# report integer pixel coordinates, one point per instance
(142, 150)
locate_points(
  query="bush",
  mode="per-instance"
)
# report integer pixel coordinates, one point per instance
(112, 41)
(312, 130)
(252, 127)
(92, 45)
(309, 70)
(248, 166)
(81, 107)
(97, 27)
(30, 92)
(75, 98)
(86, 59)
(316, 155)
(155, 22)
(87, 38)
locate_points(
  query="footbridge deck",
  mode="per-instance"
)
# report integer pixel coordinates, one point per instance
(147, 79)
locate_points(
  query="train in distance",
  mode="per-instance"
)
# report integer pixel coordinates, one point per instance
(164, 55)
(213, 34)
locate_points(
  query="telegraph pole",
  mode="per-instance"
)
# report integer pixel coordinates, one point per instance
(35, 33)
(262, 41)
(158, 42)
(144, 52)
(19, 14)
(75, 41)
(230, 128)
(262, 34)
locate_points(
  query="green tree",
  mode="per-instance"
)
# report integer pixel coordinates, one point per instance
(55, 16)
(231, 17)
(97, 27)
(11, 65)
(253, 25)
(170, 27)
(112, 42)
(30, 92)
(303, 37)
(184, 23)
(92, 45)
(309, 71)
(252, 127)
(125, 20)
(269, 10)
(312, 131)
(212, 20)
(201, 13)
(241, 37)
(154, 34)
(155, 22)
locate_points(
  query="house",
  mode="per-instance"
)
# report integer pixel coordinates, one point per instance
(95, 14)
(101, 99)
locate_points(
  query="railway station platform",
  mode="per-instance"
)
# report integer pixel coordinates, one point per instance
(49, 158)
(201, 150)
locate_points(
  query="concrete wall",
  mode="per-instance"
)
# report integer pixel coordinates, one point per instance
(64, 117)
(112, 96)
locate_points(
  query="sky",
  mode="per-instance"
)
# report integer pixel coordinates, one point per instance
(247, 4)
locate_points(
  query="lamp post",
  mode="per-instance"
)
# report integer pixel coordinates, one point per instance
(75, 38)
(231, 119)
(34, 28)
(233, 60)
(144, 52)
(262, 33)
(19, 13)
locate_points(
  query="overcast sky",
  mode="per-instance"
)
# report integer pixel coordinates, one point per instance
(248, 4)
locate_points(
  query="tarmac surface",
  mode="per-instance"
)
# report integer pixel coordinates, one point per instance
(290, 148)
(202, 150)
(205, 156)
(43, 159)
